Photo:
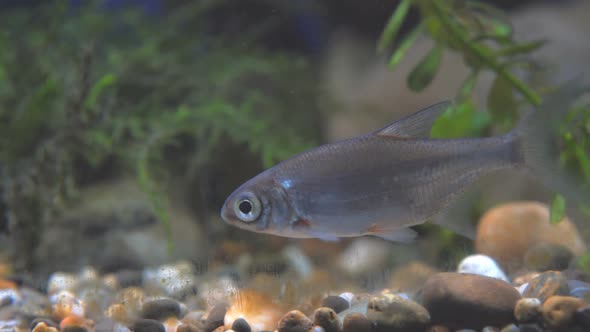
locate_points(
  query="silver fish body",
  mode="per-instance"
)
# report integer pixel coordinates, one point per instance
(376, 184)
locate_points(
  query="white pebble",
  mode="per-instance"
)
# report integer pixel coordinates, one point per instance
(10, 296)
(66, 299)
(60, 281)
(482, 265)
(174, 279)
(348, 296)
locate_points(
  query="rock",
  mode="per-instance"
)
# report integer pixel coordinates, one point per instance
(461, 300)
(547, 256)
(582, 317)
(215, 317)
(528, 310)
(48, 323)
(559, 311)
(327, 319)
(76, 323)
(410, 277)
(241, 325)
(160, 309)
(508, 231)
(547, 284)
(390, 312)
(482, 265)
(356, 322)
(295, 321)
(336, 303)
(147, 325)
(363, 256)
(65, 304)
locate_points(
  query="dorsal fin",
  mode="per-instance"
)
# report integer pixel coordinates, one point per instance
(415, 125)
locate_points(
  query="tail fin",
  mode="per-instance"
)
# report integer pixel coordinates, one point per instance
(537, 136)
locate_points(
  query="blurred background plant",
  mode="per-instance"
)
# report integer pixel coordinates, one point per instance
(86, 93)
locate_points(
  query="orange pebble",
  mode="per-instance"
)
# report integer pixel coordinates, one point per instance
(7, 284)
(42, 327)
(72, 320)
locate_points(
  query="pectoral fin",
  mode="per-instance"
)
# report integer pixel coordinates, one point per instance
(415, 125)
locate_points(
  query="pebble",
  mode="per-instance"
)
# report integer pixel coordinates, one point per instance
(294, 321)
(119, 313)
(176, 280)
(356, 322)
(65, 304)
(391, 312)
(482, 265)
(547, 256)
(510, 328)
(147, 325)
(43, 327)
(438, 328)
(559, 311)
(160, 309)
(336, 303)
(241, 325)
(60, 281)
(582, 317)
(507, 231)
(74, 329)
(531, 328)
(547, 284)
(528, 310)
(215, 317)
(469, 301)
(327, 319)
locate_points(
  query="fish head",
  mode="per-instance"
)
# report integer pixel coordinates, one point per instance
(259, 205)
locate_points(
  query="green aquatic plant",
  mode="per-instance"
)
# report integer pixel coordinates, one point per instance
(83, 90)
(483, 35)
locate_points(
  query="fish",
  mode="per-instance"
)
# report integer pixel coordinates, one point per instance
(384, 182)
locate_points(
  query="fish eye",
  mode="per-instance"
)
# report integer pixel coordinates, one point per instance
(247, 208)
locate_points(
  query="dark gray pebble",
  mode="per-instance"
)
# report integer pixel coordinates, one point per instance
(74, 329)
(147, 325)
(241, 325)
(356, 322)
(582, 317)
(160, 309)
(215, 317)
(337, 303)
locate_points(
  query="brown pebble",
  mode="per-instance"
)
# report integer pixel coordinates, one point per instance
(42, 327)
(215, 317)
(391, 312)
(187, 328)
(327, 319)
(438, 328)
(528, 310)
(547, 284)
(356, 322)
(470, 301)
(507, 231)
(559, 311)
(295, 321)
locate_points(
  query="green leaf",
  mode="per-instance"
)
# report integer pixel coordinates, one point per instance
(103, 83)
(461, 120)
(467, 86)
(557, 211)
(517, 49)
(502, 103)
(404, 46)
(392, 28)
(424, 72)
